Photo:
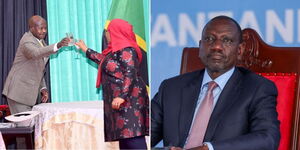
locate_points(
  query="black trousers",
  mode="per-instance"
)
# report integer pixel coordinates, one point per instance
(133, 143)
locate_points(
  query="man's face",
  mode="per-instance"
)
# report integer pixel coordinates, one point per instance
(220, 46)
(39, 30)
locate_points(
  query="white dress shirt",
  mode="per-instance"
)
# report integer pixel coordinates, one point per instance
(221, 81)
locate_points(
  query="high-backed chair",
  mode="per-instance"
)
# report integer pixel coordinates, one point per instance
(279, 64)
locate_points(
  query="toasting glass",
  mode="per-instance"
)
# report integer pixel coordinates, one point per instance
(72, 43)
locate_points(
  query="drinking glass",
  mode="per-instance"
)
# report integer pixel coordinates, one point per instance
(71, 37)
(72, 45)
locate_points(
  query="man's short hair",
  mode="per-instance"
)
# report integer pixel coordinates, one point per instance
(232, 20)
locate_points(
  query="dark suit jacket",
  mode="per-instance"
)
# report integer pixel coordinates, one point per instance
(244, 118)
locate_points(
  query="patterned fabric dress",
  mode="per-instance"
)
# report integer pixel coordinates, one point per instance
(120, 78)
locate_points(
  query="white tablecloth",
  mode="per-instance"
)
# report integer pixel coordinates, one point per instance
(71, 125)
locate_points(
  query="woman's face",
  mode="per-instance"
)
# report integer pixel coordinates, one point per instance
(107, 35)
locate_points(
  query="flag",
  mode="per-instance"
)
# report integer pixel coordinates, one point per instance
(133, 12)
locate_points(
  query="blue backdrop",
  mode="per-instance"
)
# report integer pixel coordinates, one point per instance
(177, 23)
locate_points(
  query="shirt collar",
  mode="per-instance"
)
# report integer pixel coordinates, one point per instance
(221, 80)
(40, 41)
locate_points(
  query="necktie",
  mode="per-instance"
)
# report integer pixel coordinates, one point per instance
(43, 45)
(201, 119)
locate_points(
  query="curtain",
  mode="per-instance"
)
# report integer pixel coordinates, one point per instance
(73, 76)
(14, 15)
(147, 32)
(72, 79)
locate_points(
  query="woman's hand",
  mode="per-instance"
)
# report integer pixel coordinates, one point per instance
(116, 103)
(81, 45)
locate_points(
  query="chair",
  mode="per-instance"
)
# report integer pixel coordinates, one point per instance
(4, 111)
(279, 64)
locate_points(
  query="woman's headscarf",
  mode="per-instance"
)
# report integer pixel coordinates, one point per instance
(121, 36)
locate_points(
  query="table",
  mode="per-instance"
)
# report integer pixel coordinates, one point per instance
(10, 135)
(71, 125)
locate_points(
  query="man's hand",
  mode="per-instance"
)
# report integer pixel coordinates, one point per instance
(175, 148)
(117, 102)
(45, 95)
(64, 42)
(202, 147)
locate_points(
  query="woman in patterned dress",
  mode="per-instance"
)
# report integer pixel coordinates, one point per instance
(126, 102)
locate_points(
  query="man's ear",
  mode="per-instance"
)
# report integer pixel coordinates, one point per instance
(31, 29)
(241, 50)
(199, 48)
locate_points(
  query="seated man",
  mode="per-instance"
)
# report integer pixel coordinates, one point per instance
(222, 107)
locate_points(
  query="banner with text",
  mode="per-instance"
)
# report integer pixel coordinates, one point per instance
(176, 24)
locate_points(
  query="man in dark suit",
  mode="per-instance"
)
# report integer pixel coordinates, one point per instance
(243, 114)
(26, 77)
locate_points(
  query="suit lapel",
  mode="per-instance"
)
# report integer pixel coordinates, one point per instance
(189, 98)
(228, 96)
(45, 58)
(42, 62)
